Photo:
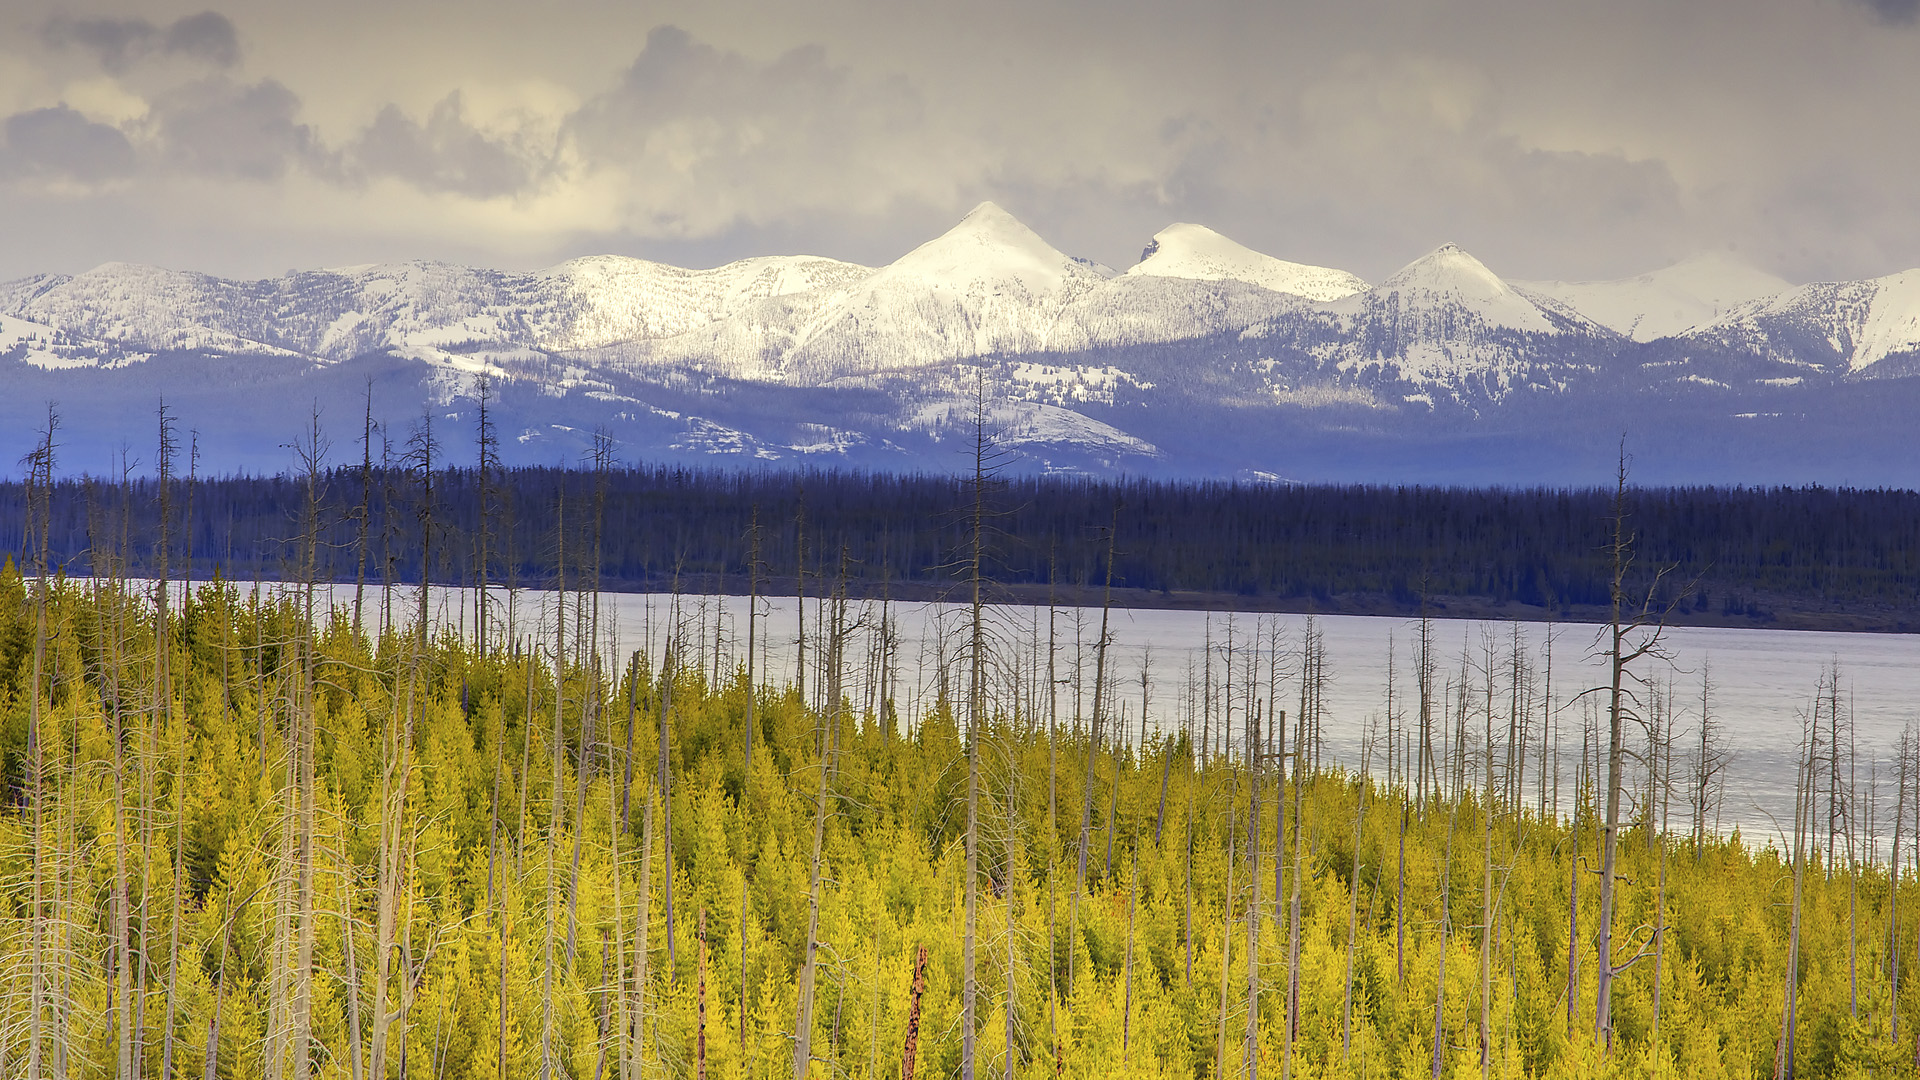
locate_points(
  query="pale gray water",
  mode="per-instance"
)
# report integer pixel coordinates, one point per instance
(1763, 680)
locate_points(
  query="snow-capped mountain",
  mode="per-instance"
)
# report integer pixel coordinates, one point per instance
(423, 310)
(1848, 327)
(990, 286)
(1206, 358)
(1446, 320)
(1197, 252)
(1665, 302)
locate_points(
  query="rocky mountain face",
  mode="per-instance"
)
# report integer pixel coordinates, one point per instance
(1204, 359)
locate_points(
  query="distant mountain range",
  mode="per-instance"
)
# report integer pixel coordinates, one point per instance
(1204, 359)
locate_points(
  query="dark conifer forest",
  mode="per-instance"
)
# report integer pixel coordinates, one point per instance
(1832, 558)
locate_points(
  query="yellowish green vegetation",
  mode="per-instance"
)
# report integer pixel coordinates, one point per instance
(240, 840)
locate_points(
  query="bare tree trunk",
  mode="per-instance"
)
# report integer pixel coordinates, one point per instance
(1353, 900)
(1446, 913)
(746, 776)
(1093, 753)
(1253, 900)
(912, 1046)
(669, 670)
(39, 523)
(700, 1037)
(1803, 810)
(642, 923)
(976, 730)
(1226, 941)
(803, 1020)
(1620, 550)
(1905, 748)
(1486, 884)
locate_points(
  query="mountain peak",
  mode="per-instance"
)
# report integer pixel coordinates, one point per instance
(988, 243)
(1185, 250)
(1449, 267)
(1448, 278)
(1661, 303)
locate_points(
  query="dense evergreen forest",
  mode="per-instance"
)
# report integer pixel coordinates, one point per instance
(1824, 557)
(240, 839)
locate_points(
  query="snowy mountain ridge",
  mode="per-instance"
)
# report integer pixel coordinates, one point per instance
(1665, 302)
(1192, 351)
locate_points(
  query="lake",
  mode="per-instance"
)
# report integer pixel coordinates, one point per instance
(1763, 681)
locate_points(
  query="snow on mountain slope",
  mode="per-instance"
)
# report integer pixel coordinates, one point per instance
(47, 347)
(987, 286)
(423, 310)
(1195, 251)
(157, 310)
(1666, 302)
(1446, 319)
(1848, 325)
(591, 302)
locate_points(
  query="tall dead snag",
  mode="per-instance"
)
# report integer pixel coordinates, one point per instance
(392, 884)
(1300, 729)
(363, 516)
(1126, 1007)
(549, 976)
(1710, 758)
(1353, 896)
(746, 776)
(1487, 896)
(1803, 821)
(1226, 941)
(976, 667)
(827, 723)
(1446, 913)
(1053, 824)
(669, 674)
(1902, 750)
(488, 494)
(1093, 753)
(700, 1038)
(642, 922)
(312, 455)
(1253, 899)
(1631, 635)
(912, 1048)
(39, 468)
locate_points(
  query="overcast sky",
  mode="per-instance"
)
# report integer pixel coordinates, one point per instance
(1551, 139)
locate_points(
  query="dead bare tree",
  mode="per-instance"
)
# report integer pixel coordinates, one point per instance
(1634, 631)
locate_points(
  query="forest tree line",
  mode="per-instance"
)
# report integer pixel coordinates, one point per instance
(435, 504)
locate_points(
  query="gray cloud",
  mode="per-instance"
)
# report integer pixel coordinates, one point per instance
(220, 127)
(60, 142)
(1899, 12)
(208, 37)
(118, 44)
(1552, 140)
(446, 154)
(713, 138)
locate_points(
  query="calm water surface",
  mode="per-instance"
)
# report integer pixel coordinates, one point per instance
(1763, 681)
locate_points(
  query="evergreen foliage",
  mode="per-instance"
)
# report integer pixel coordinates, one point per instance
(1757, 553)
(441, 889)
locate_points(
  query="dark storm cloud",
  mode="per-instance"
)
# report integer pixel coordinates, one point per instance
(118, 44)
(220, 127)
(61, 143)
(446, 154)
